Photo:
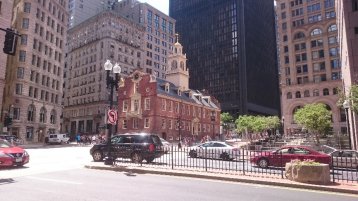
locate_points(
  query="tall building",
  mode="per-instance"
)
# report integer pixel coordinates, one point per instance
(168, 108)
(106, 35)
(81, 10)
(231, 46)
(160, 34)
(5, 22)
(34, 75)
(347, 22)
(309, 59)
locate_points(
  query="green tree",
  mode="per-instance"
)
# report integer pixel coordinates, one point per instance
(226, 120)
(316, 118)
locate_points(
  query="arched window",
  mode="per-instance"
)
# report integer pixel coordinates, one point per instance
(289, 95)
(182, 65)
(332, 27)
(325, 92)
(299, 35)
(31, 111)
(53, 117)
(298, 94)
(306, 93)
(174, 64)
(316, 92)
(316, 32)
(43, 115)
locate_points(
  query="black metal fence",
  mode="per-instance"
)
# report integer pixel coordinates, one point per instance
(238, 162)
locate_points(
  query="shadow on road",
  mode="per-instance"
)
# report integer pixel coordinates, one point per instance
(6, 181)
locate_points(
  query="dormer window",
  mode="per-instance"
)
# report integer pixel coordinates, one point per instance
(179, 92)
(167, 88)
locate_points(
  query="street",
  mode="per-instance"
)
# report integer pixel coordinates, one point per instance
(58, 174)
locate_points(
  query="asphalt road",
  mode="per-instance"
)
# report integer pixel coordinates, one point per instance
(95, 185)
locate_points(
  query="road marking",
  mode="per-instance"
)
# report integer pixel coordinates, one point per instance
(262, 185)
(54, 180)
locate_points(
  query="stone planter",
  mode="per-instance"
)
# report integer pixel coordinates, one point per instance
(317, 174)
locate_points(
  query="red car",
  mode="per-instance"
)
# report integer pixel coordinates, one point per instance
(11, 155)
(289, 153)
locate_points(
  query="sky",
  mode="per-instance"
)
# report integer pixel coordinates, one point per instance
(162, 5)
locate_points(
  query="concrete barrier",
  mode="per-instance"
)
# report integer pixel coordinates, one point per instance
(317, 174)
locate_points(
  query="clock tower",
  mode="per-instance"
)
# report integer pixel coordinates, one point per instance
(177, 72)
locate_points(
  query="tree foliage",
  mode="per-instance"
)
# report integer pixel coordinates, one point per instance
(351, 96)
(316, 118)
(256, 124)
(226, 119)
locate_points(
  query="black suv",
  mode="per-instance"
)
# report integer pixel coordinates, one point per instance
(136, 146)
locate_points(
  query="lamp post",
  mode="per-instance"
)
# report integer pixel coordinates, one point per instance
(112, 82)
(346, 106)
(179, 127)
(213, 122)
(283, 124)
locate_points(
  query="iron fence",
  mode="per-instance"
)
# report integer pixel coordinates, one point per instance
(238, 162)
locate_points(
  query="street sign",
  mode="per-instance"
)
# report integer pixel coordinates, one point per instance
(112, 117)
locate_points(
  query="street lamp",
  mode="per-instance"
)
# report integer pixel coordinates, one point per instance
(283, 124)
(346, 106)
(213, 122)
(179, 127)
(112, 82)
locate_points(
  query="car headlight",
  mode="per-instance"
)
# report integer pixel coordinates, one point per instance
(4, 155)
(25, 153)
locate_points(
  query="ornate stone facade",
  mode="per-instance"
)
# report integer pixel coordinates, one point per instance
(107, 35)
(309, 59)
(34, 76)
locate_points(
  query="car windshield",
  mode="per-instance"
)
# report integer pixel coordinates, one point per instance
(4, 144)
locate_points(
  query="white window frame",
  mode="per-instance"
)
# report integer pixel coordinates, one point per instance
(125, 106)
(124, 124)
(146, 123)
(147, 104)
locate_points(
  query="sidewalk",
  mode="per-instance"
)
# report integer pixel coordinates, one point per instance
(42, 145)
(350, 188)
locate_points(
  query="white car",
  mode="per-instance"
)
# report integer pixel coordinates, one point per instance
(58, 138)
(166, 145)
(214, 150)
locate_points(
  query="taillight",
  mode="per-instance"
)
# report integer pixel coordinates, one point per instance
(151, 147)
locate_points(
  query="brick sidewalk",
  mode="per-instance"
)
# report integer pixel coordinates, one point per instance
(350, 188)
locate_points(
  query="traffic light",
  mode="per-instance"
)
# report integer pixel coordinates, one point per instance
(10, 42)
(8, 121)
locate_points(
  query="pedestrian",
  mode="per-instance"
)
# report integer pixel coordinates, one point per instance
(78, 138)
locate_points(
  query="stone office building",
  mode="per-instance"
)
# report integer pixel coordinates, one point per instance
(34, 75)
(309, 59)
(347, 22)
(106, 35)
(167, 107)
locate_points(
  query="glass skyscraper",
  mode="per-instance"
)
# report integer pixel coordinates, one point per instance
(231, 51)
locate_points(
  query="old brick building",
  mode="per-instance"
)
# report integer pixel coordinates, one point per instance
(167, 107)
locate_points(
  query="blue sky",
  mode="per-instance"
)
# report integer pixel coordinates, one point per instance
(162, 5)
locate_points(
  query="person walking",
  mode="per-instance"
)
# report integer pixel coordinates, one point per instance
(78, 138)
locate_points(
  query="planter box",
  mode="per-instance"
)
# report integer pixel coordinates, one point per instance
(317, 174)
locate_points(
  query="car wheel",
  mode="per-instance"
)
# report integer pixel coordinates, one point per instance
(136, 158)
(263, 163)
(225, 156)
(97, 156)
(193, 154)
(149, 160)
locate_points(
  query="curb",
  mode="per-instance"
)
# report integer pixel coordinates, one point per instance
(222, 178)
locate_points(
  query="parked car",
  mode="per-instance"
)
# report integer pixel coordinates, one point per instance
(136, 146)
(345, 159)
(59, 138)
(166, 145)
(11, 139)
(214, 150)
(11, 155)
(288, 153)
